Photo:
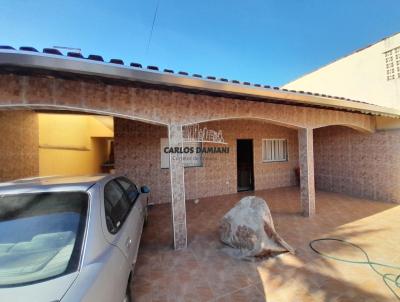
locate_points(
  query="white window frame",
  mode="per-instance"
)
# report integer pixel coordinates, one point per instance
(188, 159)
(272, 158)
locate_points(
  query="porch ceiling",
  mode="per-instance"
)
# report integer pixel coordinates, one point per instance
(203, 272)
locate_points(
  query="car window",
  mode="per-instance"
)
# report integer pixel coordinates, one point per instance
(116, 206)
(130, 189)
(41, 236)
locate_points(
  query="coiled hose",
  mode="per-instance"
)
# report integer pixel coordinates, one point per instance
(388, 279)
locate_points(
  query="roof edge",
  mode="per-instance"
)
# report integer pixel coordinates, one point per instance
(26, 59)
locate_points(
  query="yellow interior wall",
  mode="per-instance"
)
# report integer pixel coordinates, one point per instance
(73, 144)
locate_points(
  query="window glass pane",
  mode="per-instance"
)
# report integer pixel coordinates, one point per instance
(118, 206)
(264, 149)
(41, 235)
(270, 149)
(130, 189)
(275, 150)
(284, 150)
(280, 149)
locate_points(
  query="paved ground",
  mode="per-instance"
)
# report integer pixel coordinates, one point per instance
(202, 272)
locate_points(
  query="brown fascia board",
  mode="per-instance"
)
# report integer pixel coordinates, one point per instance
(63, 64)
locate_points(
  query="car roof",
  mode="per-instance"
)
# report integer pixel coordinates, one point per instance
(53, 183)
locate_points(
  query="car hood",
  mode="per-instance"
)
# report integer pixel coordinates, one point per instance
(48, 291)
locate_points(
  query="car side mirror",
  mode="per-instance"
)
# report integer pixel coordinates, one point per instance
(145, 189)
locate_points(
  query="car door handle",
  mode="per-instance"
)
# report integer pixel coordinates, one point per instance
(128, 242)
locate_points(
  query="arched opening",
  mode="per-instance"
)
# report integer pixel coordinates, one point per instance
(43, 142)
(209, 197)
(211, 174)
(138, 155)
(58, 142)
(356, 127)
(254, 119)
(230, 167)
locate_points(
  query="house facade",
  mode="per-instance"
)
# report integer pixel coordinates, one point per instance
(270, 137)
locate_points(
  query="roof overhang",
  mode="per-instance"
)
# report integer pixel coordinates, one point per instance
(63, 64)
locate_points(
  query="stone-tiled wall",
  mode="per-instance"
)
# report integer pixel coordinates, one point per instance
(358, 164)
(137, 153)
(160, 106)
(19, 145)
(218, 175)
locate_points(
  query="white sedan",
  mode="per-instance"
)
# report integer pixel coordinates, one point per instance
(69, 238)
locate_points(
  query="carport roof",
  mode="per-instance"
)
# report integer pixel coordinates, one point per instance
(52, 61)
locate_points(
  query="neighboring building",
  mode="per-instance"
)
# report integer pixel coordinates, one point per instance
(274, 136)
(370, 74)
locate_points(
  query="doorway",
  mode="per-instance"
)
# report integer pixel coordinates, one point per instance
(245, 171)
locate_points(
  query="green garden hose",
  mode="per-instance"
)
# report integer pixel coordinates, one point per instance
(388, 279)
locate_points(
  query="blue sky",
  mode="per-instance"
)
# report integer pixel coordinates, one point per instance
(260, 41)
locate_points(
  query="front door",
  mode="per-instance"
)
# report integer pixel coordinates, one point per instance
(245, 173)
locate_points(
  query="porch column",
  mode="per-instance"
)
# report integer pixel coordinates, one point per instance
(177, 188)
(306, 161)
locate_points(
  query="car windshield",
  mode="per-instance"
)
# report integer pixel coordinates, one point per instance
(41, 235)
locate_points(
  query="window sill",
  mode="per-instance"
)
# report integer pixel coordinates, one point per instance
(274, 161)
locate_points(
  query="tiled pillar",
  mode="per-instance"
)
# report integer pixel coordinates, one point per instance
(177, 188)
(306, 161)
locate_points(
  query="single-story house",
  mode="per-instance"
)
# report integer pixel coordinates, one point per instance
(249, 136)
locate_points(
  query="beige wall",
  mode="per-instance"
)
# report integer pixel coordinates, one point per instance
(71, 144)
(19, 139)
(359, 76)
(358, 164)
(137, 153)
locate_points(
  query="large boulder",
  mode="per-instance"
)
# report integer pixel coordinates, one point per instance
(248, 229)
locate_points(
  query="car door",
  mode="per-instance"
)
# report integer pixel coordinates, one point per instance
(118, 216)
(137, 213)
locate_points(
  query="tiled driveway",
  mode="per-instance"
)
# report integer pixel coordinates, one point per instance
(203, 272)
